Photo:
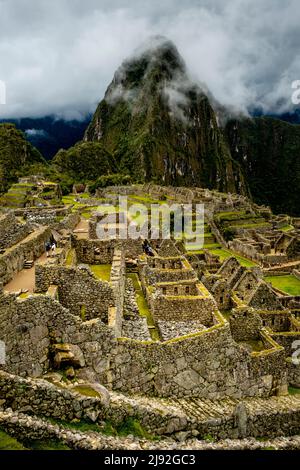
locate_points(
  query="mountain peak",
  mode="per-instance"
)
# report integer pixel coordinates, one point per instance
(157, 58)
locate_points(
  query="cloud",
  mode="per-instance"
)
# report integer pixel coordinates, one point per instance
(59, 57)
(36, 133)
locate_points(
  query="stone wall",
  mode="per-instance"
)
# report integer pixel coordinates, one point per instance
(101, 251)
(45, 399)
(296, 273)
(245, 324)
(287, 340)
(245, 249)
(78, 290)
(165, 270)
(178, 288)
(31, 248)
(12, 231)
(94, 251)
(31, 326)
(293, 373)
(277, 320)
(178, 307)
(69, 222)
(207, 364)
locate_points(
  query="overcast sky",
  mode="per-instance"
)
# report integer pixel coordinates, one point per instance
(58, 56)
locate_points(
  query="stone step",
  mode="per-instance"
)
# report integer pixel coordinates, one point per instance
(28, 264)
(200, 411)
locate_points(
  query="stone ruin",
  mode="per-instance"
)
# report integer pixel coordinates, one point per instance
(160, 328)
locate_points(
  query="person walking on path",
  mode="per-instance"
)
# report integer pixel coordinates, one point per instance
(53, 247)
(48, 248)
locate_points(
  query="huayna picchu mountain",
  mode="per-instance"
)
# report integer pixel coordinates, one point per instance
(160, 126)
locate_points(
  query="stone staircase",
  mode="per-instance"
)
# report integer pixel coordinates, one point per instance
(28, 264)
(222, 418)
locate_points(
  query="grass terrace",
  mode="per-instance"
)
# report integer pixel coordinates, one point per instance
(101, 271)
(143, 306)
(224, 254)
(286, 283)
(8, 442)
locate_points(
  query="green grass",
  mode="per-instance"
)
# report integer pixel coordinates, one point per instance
(82, 312)
(251, 225)
(233, 215)
(70, 199)
(134, 427)
(294, 391)
(9, 443)
(255, 344)
(225, 254)
(24, 295)
(107, 209)
(144, 199)
(86, 215)
(130, 425)
(70, 257)
(143, 306)
(86, 391)
(101, 271)
(286, 228)
(287, 283)
(46, 445)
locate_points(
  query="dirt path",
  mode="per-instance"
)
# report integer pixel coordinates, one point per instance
(82, 229)
(24, 279)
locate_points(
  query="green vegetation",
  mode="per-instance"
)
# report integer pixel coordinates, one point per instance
(294, 391)
(133, 426)
(70, 257)
(16, 155)
(287, 228)
(272, 149)
(82, 312)
(255, 344)
(86, 391)
(101, 271)
(287, 283)
(46, 445)
(85, 161)
(143, 306)
(9, 443)
(116, 179)
(232, 216)
(224, 254)
(24, 295)
(130, 425)
(142, 134)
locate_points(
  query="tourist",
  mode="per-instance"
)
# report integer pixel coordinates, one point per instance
(53, 247)
(48, 248)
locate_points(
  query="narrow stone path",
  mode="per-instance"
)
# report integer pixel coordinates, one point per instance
(24, 279)
(82, 229)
